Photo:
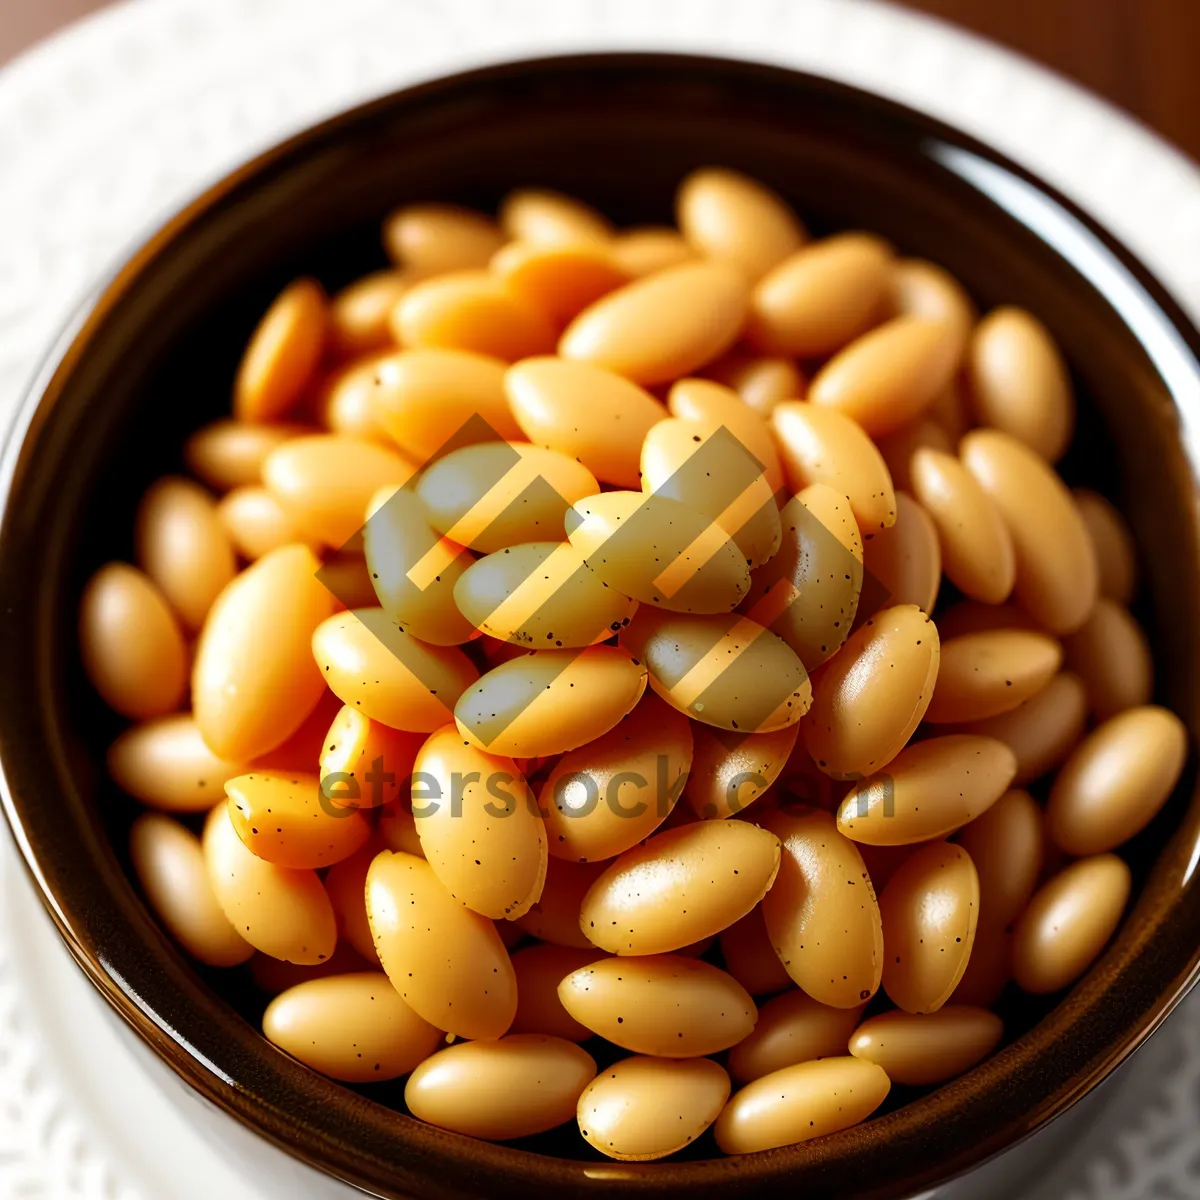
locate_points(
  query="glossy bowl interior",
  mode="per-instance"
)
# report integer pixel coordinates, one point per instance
(153, 357)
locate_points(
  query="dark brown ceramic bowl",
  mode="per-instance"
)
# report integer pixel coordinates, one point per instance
(153, 357)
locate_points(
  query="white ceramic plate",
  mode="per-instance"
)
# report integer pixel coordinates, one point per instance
(108, 127)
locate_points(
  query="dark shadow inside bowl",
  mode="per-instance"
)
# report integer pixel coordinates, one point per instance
(155, 359)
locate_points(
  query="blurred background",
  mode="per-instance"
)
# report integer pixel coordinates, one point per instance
(1140, 54)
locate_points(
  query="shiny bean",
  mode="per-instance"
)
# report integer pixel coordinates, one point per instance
(732, 218)
(906, 560)
(645, 1108)
(542, 216)
(289, 819)
(1007, 844)
(660, 1004)
(229, 454)
(871, 697)
(1043, 730)
(483, 839)
(183, 547)
(649, 248)
(131, 643)
(930, 912)
(434, 399)
(928, 790)
(540, 1079)
(255, 522)
(726, 671)
(324, 482)
(359, 315)
(822, 445)
(1068, 922)
(169, 864)
(560, 278)
(985, 674)
(663, 326)
(889, 376)
(822, 297)
(254, 682)
(923, 289)
(679, 886)
(732, 770)
(492, 496)
(447, 962)
(284, 912)
(585, 412)
(471, 310)
(282, 354)
(801, 1102)
(977, 549)
(1116, 780)
(761, 382)
(1057, 577)
(920, 1050)
(1019, 382)
(414, 570)
(371, 664)
(350, 1027)
(608, 795)
(1112, 540)
(821, 912)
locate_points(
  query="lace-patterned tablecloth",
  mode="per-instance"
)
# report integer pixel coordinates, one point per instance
(107, 128)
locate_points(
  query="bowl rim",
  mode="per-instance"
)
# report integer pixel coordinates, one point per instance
(334, 1154)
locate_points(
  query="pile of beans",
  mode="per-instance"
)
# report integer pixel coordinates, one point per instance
(511, 547)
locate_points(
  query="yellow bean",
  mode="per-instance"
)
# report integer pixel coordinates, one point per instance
(608, 795)
(822, 297)
(985, 674)
(432, 238)
(649, 248)
(169, 864)
(471, 310)
(922, 1050)
(872, 696)
(679, 886)
(645, 1108)
(923, 289)
(325, 482)
(930, 911)
(585, 412)
(822, 445)
(732, 218)
(906, 560)
(1019, 382)
(1056, 565)
(131, 644)
(229, 454)
(447, 962)
(350, 1027)
(751, 959)
(663, 326)
(977, 548)
(283, 912)
(1117, 780)
(253, 682)
(928, 790)
(729, 772)
(886, 378)
(1068, 922)
(360, 314)
(371, 664)
(1112, 540)
(560, 279)
(801, 1102)
(821, 912)
(282, 354)
(540, 968)
(661, 1004)
(183, 547)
